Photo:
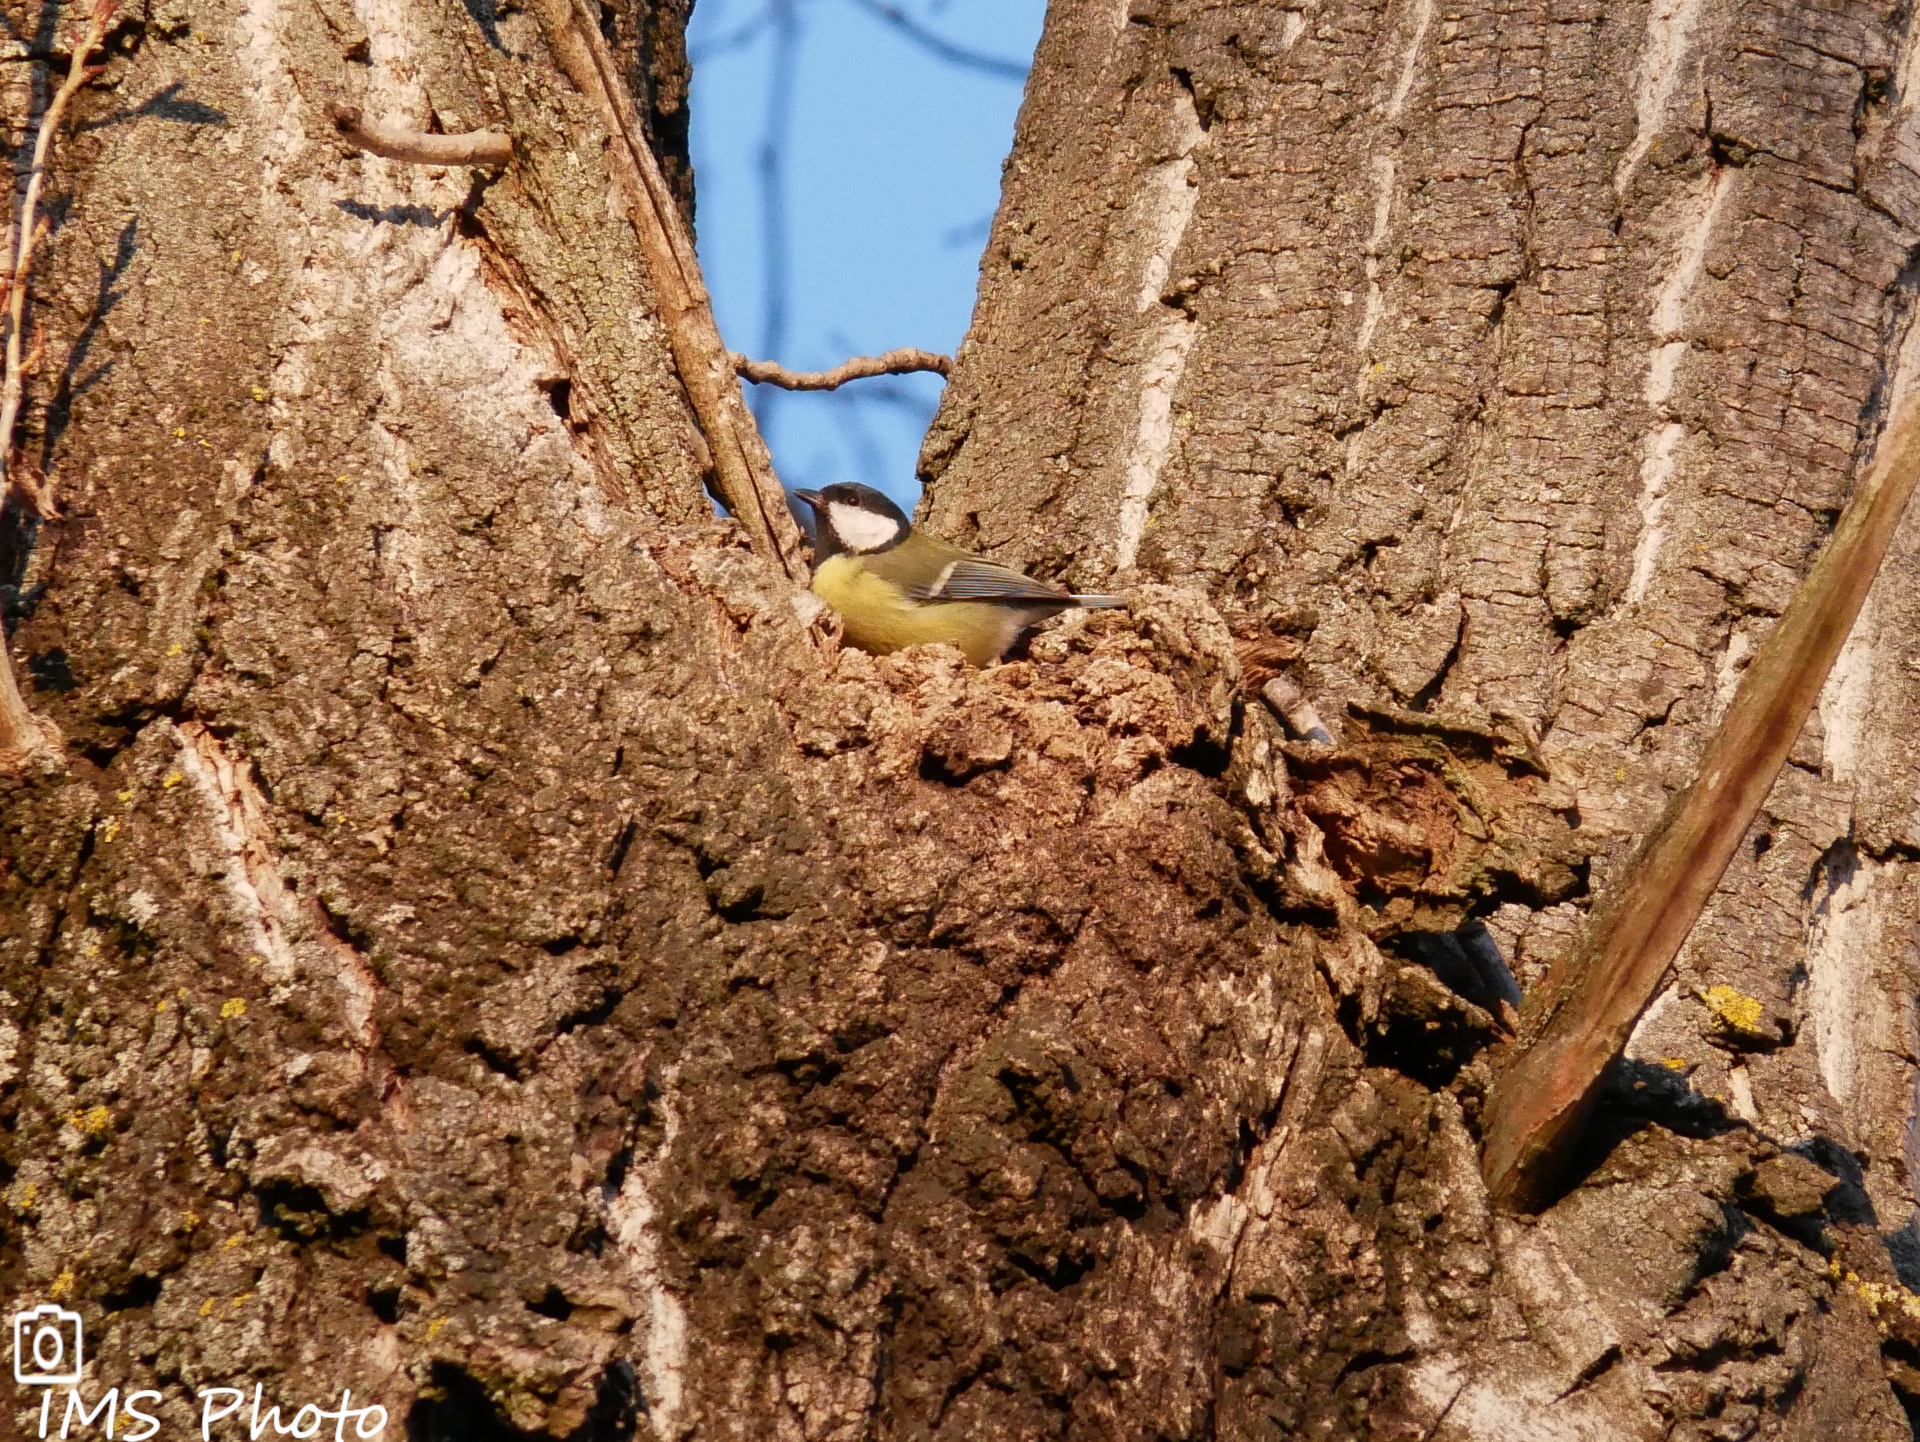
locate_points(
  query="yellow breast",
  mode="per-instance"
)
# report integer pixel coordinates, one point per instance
(879, 617)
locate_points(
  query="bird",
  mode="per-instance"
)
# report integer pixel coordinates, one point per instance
(895, 587)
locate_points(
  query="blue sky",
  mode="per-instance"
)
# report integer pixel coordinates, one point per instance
(891, 173)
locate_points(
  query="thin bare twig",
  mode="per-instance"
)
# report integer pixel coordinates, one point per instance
(904, 361)
(1580, 1017)
(737, 38)
(20, 734)
(416, 147)
(770, 171)
(31, 229)
(940, 46)
(743, 472)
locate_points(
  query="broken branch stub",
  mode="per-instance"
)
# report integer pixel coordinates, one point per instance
(1580, 1017)
(416, 147)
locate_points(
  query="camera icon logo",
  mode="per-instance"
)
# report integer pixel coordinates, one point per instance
(46, 1347)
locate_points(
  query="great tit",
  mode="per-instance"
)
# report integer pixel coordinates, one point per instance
(895, 587)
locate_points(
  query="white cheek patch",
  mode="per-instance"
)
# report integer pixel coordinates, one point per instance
(860, 530)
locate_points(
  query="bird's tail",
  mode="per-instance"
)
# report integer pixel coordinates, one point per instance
(1094, 603)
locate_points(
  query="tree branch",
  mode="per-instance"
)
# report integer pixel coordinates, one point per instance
(1578, 1020)
(21, 734)
(904, 361)
(940, 46)
(743, 34)
(473, 147)
(743, 472)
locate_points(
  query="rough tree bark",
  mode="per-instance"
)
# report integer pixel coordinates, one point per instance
(489, 951)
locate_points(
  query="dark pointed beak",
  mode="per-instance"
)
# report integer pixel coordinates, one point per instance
(812, 498)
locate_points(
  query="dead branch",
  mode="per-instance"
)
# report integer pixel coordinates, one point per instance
(1580, 1017)
(416, 147)
(903, 361)
(743, 472)
(21, 735)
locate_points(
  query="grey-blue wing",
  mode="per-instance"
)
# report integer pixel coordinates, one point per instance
(972, 579)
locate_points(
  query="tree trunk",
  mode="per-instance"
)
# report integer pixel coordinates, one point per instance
(488, 951)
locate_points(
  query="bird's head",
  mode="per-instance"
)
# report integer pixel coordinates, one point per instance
(856, 519)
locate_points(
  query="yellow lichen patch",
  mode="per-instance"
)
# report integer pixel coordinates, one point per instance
(1889, 1296)
(28, 1196)
(235, 1240)
(174, 778)
(206, 1307)
(95, 1123)
(1882, 1298)
(109, 829)
(1675, 1063)
(433, 1327)
(1735, 1011)
(62, 1287)
(233, 1007)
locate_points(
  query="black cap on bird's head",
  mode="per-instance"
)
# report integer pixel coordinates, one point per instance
(855, 518)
